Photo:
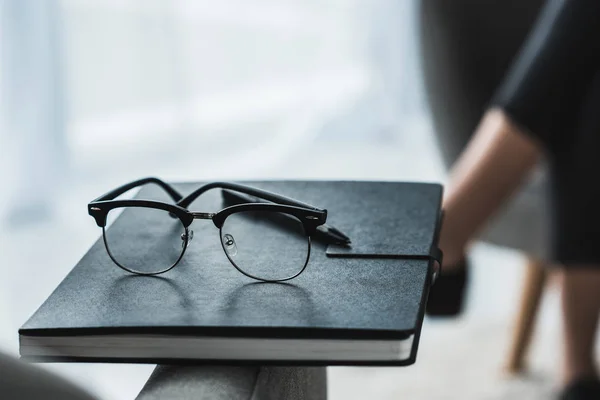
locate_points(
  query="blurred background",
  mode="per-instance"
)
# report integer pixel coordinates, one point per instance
(96, 93)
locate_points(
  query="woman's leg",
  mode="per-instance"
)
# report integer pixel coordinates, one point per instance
(488, 171)
(580, 308)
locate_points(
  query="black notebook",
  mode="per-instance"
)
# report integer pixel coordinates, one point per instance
(357, 305)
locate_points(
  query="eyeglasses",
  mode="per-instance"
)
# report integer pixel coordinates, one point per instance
(152, 236)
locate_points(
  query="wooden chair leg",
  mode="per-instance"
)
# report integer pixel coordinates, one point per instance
(533, 286)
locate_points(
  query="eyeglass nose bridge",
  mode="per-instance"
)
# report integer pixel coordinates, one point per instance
(203, 215)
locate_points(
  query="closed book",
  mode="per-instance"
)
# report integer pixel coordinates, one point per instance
(361, 304)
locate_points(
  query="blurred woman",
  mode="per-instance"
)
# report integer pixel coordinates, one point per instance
(548, 104)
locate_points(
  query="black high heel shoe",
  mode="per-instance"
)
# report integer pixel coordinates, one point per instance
(583, 389)
(447, 295)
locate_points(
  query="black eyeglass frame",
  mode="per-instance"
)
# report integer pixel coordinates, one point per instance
(310, 216)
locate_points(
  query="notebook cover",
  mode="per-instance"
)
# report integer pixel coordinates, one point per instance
(335, 297)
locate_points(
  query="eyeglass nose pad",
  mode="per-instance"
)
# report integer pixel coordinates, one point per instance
(229, 244)
(186, 237)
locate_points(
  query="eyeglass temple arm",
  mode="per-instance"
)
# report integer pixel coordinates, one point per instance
(175, 195)
(263, 194)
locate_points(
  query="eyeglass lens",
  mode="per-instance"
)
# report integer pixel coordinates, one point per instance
(145, 240)
(266, 245)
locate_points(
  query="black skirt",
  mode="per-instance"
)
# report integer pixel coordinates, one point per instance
(552, 91)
